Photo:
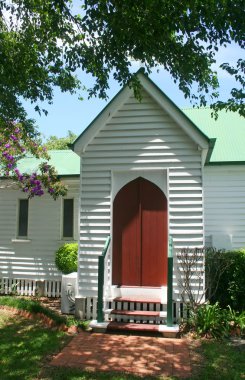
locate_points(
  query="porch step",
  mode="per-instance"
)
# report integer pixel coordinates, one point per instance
(168, 332)
(138, 313)
(132, 327)
(137, 299)
(137, 310)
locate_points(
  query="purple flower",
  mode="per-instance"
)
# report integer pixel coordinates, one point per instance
(7, 145)
(39, 192)
(17, 130)
(14, 138)
(19, 175)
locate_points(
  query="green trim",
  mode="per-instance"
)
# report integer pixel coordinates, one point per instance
(210, 150)
(170, 283)
(223, 163)
(101, 270)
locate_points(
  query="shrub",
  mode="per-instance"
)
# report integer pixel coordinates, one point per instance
(236, 321)
(210, 321)
(231, 287)
(66, 258)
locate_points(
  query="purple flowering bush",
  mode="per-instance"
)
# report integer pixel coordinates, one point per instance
(15, 142)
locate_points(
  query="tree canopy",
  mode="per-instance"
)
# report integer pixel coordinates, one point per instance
(60, 143)
(43, 43)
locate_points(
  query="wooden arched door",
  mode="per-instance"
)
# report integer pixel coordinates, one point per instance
(140, 235)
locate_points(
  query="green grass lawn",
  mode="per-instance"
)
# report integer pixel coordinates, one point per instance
(26, 347)
(221, 361)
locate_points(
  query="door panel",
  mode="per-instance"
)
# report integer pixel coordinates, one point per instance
(140, 235)
(153, 235)
(126, 236)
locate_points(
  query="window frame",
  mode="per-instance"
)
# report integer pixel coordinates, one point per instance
(63, 219)
(27, 219)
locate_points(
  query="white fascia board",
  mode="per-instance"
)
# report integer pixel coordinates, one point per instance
(174, 112)
(100, 121)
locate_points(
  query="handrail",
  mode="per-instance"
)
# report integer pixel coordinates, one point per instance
(170, 283)
(101, 270)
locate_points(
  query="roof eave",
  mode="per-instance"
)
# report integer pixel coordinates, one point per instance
(80, 144)
(175, 112)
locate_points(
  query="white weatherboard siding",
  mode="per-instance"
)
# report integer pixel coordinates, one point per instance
(140, 136)
(224, 191)
(32, 258)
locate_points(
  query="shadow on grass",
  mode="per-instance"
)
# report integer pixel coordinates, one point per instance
(76, 374)
(220, 360)
(23, 346)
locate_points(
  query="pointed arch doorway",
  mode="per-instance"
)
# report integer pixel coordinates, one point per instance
(140, 235)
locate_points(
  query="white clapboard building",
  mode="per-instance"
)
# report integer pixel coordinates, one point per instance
(32, 230)
(150, 173)
(153, 179)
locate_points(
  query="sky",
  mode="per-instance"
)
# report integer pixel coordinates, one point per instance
(69, 113)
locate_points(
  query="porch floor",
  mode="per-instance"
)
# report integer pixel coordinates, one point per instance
(142, 355)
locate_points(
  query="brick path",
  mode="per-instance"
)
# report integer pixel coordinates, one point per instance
(127, 353)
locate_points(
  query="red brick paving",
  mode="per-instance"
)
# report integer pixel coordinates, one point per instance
(127, 353)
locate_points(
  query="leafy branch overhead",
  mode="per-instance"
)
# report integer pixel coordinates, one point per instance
(43, 43)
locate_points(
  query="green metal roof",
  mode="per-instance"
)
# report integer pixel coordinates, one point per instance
(228, 130)
(65, 162)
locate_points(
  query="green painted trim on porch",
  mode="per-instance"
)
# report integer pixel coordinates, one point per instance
(101, 270)
(170, 284)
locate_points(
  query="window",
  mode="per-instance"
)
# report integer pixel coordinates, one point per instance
(23, 218)
(68, 216)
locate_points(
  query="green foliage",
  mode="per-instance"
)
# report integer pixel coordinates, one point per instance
(44, 42)
(214, 322)
(32, 306)
(36, 53)
(66, 258)
(209, 320)
(72, 321)
(62, 143)
(183, 37)
(231, 287)
(236, 320)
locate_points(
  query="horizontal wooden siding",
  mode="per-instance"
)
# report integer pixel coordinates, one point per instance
(140, 136)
